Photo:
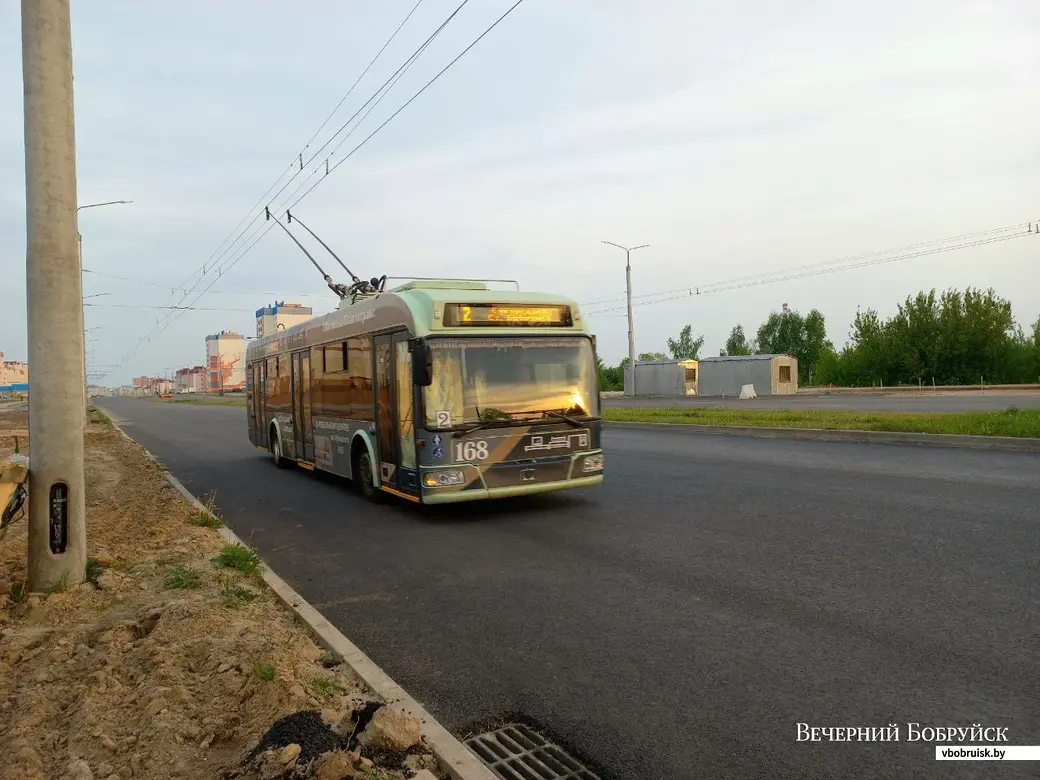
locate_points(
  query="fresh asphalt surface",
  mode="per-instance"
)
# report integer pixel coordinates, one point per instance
(683, 618)
(962, 401)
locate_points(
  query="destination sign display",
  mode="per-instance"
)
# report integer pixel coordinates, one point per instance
(507, 315)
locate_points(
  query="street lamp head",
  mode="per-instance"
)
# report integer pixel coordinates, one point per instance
(106, 203)
(625, 248)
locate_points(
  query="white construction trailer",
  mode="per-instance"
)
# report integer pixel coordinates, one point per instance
(767, 374)
(668, 378)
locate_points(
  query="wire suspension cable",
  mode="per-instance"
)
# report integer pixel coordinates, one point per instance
(224, 266)
(1018, 226)
(263, 229)
(787, 275)
(221, 249)
(163, 323)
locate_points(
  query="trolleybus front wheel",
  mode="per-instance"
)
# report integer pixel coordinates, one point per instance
(364, 475)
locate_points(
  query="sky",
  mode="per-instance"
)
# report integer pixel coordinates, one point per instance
(736, 139)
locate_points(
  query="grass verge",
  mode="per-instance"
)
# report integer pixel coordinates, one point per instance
(1020, 423)
(325, 688)
(101, 418)
(232, 594)
(208, 517)
(237, 556)
(183, 578)
(93, 570)
(264, 671)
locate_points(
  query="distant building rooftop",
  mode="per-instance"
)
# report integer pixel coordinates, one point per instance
(288, 308)
(225, 334)
(665, 361)
(735, 358)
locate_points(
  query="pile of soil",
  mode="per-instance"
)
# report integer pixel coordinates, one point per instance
(128, 676)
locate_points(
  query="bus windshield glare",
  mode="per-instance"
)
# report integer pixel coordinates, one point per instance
(481, 379)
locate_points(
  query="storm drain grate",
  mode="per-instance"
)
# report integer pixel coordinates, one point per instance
(518, 752)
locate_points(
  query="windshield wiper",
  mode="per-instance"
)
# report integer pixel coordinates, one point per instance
(483, 424)
(479, 425)
(562, 416)
(521, 420)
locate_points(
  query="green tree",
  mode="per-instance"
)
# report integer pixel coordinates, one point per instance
(831, 369)
(643, 356)
(686, 347)
(737, 343)
(1036, 352)
(789, 333)
(611, 378)
(953, 338)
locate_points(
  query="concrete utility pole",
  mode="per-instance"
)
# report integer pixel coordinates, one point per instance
(57, 508)
(628, 250)
(82, 309)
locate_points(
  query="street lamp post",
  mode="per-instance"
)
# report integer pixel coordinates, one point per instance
(628, 250)
(82, 308)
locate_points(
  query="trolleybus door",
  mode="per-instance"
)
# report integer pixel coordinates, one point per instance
(301, 393)
(395, 418)
(256, 406)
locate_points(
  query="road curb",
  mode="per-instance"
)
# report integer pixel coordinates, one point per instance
(999, 443)
(454, 757)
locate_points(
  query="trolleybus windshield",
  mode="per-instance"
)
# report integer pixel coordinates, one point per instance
(481, 379)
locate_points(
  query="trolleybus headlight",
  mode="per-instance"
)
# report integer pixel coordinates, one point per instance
(592, 463)
(443, 478)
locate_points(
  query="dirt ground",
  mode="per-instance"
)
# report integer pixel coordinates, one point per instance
(165, 663)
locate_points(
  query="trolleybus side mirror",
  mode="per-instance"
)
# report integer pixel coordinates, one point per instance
(422, 364)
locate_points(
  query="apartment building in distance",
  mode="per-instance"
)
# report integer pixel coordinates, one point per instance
(225, 362)
(14, 375)
(190, 380)
(280, 316)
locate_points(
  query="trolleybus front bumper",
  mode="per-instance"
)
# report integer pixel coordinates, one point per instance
(468, 482)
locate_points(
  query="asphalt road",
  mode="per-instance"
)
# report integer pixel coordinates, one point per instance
(925, 402)
(682, 619)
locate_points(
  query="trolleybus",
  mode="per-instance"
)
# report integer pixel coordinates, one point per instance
(434, 391)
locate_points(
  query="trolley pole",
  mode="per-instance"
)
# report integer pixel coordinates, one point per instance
(631, 324)
(57, 508)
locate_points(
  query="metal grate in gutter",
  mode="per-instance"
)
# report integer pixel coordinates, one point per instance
(519, 752)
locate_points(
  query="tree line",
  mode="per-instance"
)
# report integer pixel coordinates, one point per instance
(948, 338)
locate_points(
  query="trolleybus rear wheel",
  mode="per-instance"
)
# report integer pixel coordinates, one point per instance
(276, 450)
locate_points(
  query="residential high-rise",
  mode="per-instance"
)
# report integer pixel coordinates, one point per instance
(225, 361)
(280, 316)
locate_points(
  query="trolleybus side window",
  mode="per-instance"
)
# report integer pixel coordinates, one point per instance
(347, 392)
(358, 357)
(280, 395)
(333, 358)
